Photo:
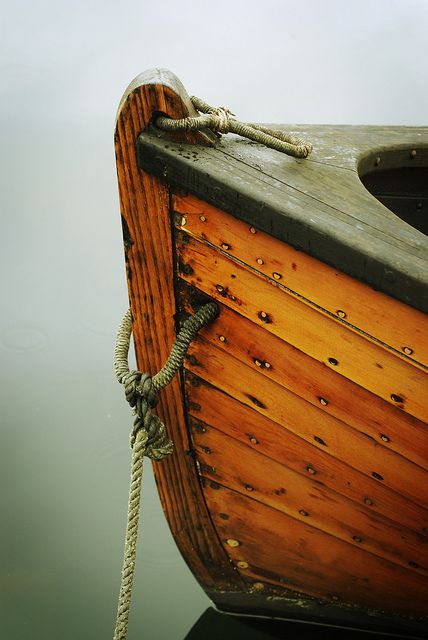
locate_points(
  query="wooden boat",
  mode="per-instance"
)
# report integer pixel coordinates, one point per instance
(298, 487)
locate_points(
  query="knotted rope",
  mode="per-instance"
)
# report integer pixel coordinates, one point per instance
(148, 437)
(219, 119)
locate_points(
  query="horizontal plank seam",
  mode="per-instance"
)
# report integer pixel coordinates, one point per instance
(327, 533)
(308, 302)
(381, 519)
(339, 460)
(360, 433)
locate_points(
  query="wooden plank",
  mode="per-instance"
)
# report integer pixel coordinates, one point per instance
(312, 380)
(287, 552)
(280, 405)
(362, 239)
(270, 306)
(241, 468)
(144, 202)
(209, 406)
(361, 307)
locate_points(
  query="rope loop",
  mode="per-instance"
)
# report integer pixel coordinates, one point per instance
(220, 120)
(141, 389)
(148, 437)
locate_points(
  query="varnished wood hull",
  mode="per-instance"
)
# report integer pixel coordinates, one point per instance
(298, 486)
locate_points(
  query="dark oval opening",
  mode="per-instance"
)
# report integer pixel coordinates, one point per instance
(398, 178)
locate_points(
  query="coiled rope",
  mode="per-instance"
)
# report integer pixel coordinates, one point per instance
(219, 119)
(148, 437)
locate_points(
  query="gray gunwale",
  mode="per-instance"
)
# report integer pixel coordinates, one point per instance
(317, 205)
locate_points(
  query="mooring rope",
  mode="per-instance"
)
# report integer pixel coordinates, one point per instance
(219, 119)
(148, 437)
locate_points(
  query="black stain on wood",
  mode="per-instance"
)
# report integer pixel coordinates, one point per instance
(186, 269)
(256, 402)
(127, 240)
(193, 360)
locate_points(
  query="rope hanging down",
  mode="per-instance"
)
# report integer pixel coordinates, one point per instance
(148, 437)
(219, 119)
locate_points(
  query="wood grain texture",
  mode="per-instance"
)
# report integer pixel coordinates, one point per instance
(321, 337)
(289, 553)
(302, 418)
(311, 380)
(209, 406)
(244, 469)
(144, 202)
(363, 541)
(312, 205)
(383, 318)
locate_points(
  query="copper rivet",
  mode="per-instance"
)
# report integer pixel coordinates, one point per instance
(258, 585)
(341, 313)
(202, 218)
(310, 470)
(357, 539)
(260, 261)
(257, 362)
(222, 339)
(242, 565)
(183, 221)
(225, 246)
(219, 288)
(384, 437)
(268, 365)
(252, 230)
(303, 512)
(323, 401)
(408, 351)
(396, 398)
(254, 440)
(277, 276)
(413, 153)
(333, 362)
(263, 314)
(368, 501)
(249, 487)
(233, 543)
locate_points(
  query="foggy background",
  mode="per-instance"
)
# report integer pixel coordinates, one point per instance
(65, 459)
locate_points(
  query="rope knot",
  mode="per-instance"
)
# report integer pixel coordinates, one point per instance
(221, 119)
(154, 438)
(141, 390)
(148, 437)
